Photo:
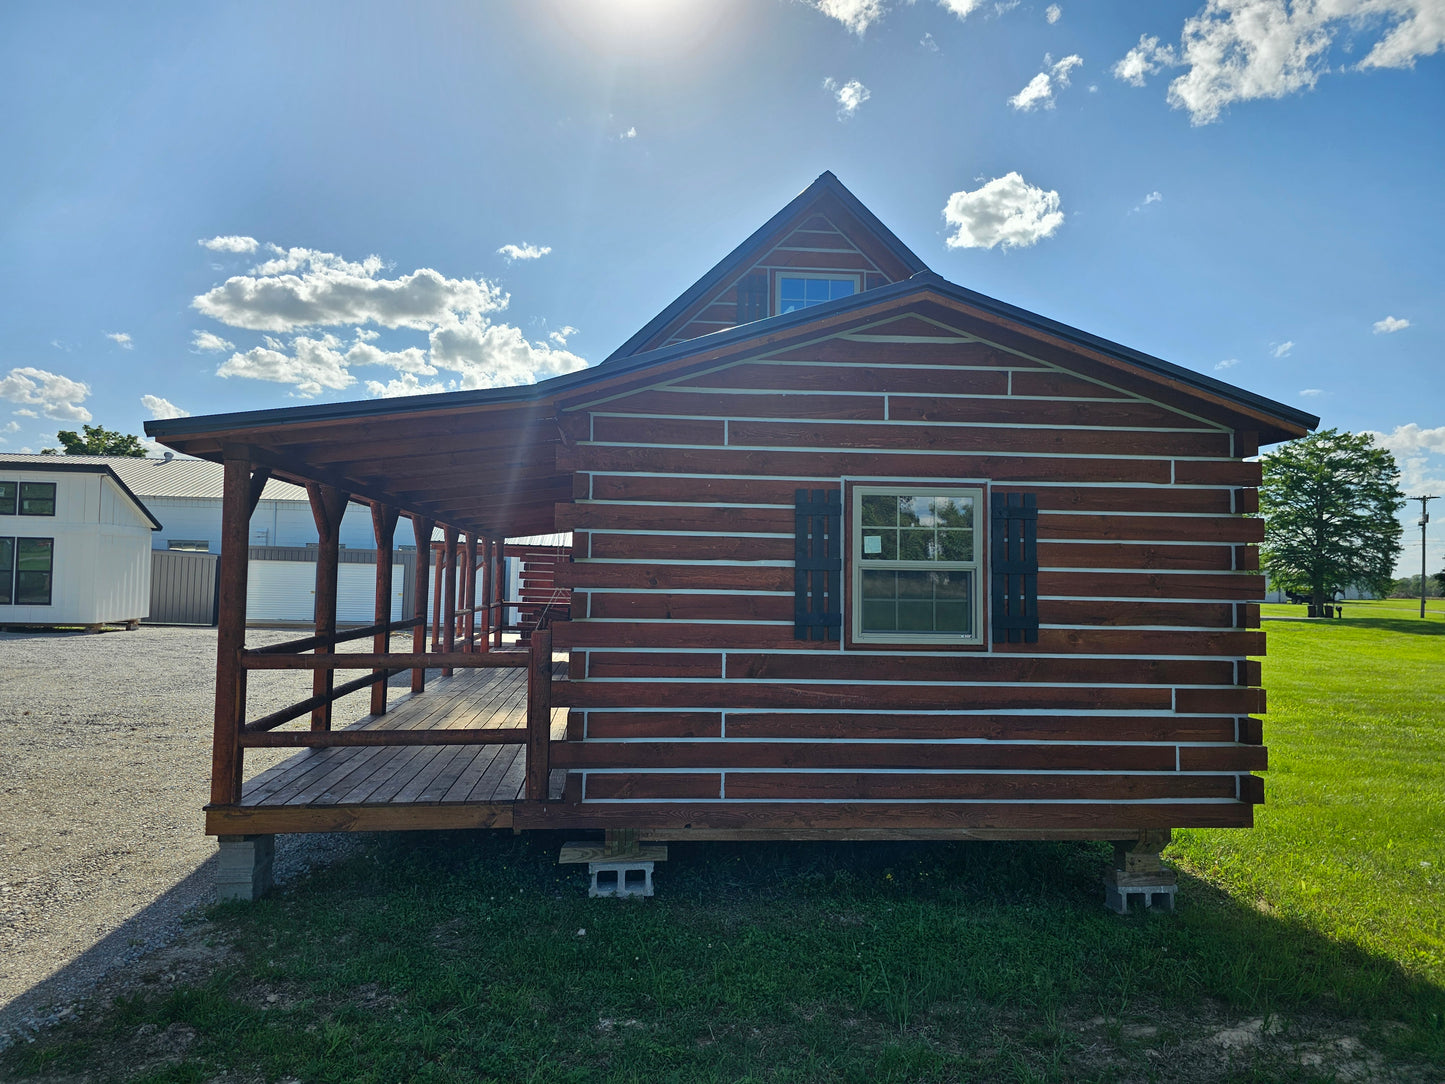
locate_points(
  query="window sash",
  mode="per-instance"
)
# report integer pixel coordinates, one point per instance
(816, 289)
(37, 498)
(954, 588)
(7, 570)
(27, 568)
(8, 492)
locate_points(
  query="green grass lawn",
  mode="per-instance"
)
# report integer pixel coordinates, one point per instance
(474, 957)
(1351, 840)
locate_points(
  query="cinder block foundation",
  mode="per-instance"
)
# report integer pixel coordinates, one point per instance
(1155, 887)
(618, 868)
(244, 867)
(624, 877)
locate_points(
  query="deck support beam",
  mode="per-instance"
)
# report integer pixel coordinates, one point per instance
(449, 594)
(421, 528)
(383, 523)
(328, 505)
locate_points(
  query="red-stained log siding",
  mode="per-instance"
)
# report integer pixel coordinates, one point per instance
(688, 686)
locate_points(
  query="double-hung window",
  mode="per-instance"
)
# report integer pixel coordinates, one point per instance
(917, 565)
(26, 567)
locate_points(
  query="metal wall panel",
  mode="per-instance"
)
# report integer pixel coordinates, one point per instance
(183, 588)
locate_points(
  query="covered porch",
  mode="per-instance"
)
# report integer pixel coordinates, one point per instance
(470, 738)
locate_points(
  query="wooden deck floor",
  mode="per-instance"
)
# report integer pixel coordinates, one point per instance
(382, 788)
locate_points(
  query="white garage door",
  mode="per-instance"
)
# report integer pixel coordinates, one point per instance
(286, 591)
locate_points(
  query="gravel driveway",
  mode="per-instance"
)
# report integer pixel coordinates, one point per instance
(105, 744)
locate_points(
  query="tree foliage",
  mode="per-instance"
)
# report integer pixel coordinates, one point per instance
(1330, 502)
(99, 441)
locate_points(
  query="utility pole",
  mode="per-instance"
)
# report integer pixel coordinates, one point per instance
(1424, 520)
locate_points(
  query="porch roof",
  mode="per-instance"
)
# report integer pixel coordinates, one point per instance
(485, 460)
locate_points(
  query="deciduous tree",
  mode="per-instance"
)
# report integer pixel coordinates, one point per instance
(1330, 502)
(98, 441)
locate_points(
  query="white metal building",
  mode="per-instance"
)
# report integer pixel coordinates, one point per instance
(75, 544)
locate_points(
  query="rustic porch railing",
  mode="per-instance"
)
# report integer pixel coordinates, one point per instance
(245, 479)
(262, 733)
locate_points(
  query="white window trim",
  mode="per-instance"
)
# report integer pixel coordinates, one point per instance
(826, 276)
(855, 584)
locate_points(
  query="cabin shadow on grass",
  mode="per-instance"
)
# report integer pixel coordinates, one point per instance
(465, 956)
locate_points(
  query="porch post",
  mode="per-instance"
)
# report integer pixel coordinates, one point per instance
(499, 568)
(383, 523)
(421, 527)
(230, 716)
(449, 596)
(469, 623)
(487, 618)
(328, 505)
(539, 715)
(436, 606)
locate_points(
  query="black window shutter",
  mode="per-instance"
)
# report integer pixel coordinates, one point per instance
(818, 565)
(1014, 566)
(753, 298)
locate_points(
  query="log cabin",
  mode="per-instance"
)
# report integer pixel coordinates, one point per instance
(856, 552)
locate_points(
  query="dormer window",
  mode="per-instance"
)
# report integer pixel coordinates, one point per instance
(804, 291)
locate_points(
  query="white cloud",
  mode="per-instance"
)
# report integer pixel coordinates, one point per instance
(11, 427)
(562, 334)
(210, 343)
(230, 243)
(1281, 350)
(121, 339)
(1390, 324)
(329, 291)
(1152, 197)
(1310, 393)
(162, 408)
(1006, 211)
(859, 15)
(524, 252)
(313, 365)
(1040, 89)
(1227, 363)
(1242, 50)
(1144, 59)
(491, 355)
(406, 384)
(1420, 455)
(1053, 13)
(856, 15)
(25, 413)
(849, 95)
(54, 395)
(631, 133)
(928, 43)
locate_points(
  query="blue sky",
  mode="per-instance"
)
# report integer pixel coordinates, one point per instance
(232, 206)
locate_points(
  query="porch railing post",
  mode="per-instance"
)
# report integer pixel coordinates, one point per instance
(436, 606)
(539, 715)
(226, 752)
(328, 505)
(421, 529)
(449, 596)
(486, 644)
(383, 523)
(499, 546)
(469, 624)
